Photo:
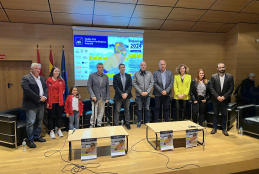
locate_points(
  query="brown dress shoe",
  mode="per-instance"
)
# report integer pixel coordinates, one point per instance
(225, 132)
(213, 131)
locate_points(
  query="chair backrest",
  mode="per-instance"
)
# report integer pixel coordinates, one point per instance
(152, 102)
(19, 112)
(257, 109)
(87, 105)
(210, 107)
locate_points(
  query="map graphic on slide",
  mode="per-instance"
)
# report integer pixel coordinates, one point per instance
(109, 50)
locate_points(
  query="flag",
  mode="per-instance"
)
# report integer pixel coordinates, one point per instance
(64, 74)
(50, 60)
(38, 61)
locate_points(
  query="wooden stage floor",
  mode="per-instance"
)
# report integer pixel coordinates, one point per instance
(221, 155)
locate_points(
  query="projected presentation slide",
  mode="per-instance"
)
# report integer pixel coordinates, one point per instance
(109, 50)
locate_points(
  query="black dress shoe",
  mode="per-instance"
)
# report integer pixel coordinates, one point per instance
(225, 132)
(30, 144)
(39, 140)
(128, 126)
(213, 131)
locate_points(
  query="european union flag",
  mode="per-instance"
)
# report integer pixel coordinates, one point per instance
(64, 74)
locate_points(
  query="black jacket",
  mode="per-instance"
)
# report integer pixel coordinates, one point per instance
(117, 85)
(246, 84)
(31, 97)
(193, 90)
(215, 87)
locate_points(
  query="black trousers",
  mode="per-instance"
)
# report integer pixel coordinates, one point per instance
(55, 116)
(180, 109)
(199, 109)
(166, 101)
(222, 108)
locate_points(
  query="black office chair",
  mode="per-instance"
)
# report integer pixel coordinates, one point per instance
(13, 126)
(248, 118)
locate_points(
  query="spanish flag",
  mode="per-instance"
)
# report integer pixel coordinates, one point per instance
(38, 60)
(50, 61)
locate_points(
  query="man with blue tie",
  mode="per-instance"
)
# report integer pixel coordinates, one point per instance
(122, 84)
(163, 83)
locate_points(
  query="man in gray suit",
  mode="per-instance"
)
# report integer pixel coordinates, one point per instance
(164, 82)
(98, 88)
(35, 92)
(143, 82)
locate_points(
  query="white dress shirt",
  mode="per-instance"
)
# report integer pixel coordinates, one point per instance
(222, 78)
(75, 103)
(41, 93)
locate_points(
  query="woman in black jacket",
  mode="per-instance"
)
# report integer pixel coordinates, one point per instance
(200, 94)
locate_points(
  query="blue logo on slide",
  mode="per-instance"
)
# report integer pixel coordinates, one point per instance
(79, 40)
(90, 41)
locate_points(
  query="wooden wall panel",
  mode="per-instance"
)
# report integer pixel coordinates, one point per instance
(231, 51)
(247, 52)
(197, 50)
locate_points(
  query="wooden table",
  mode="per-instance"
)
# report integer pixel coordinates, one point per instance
(98, 132)
(176, 126)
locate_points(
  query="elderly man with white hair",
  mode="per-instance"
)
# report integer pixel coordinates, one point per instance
(35, 92)
(247, 84)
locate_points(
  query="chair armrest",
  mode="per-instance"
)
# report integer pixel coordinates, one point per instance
(246, 111)
(246, 106)
(257, 109)
(132, 101)
(111, 102)
(8, 117)
(232, 105)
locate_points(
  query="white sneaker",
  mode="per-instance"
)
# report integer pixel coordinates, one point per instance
(52, 135)
(60, 133)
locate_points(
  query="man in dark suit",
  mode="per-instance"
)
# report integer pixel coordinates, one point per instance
(221, 87)
(163, 83)
(122, 84)
(35, 92)
(99, 90)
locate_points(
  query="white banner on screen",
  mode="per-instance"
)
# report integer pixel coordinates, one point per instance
(108, 46)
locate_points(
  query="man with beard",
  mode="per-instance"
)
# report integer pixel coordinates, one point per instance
(221, 87)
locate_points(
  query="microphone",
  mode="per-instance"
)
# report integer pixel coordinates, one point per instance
(74, 130)
(192, 126)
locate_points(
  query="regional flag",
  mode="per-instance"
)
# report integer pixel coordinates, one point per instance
(50, 60)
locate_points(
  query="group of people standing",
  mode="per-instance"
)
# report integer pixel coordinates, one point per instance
(37, 92)
(200, 90)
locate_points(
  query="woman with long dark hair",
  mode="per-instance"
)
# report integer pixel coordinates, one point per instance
(55, 100)
(200, 94)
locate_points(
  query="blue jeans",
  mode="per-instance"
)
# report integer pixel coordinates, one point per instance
(73, 119)
(139, 101)
(33, 119)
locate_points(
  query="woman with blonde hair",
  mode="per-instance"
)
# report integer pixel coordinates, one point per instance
(182, 82)
(200, 94)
